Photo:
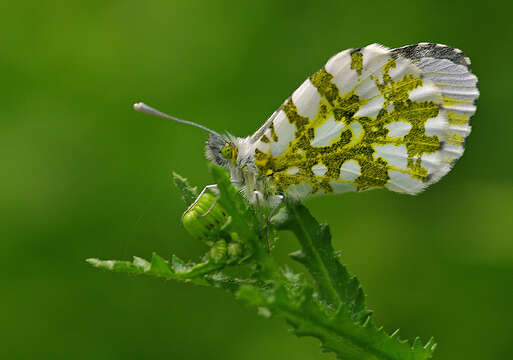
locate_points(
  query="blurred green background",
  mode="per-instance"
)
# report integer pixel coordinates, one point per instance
(83, 175)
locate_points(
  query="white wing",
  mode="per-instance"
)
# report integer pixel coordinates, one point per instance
(371, 118)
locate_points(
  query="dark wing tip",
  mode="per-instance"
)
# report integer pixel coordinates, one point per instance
(438, 51)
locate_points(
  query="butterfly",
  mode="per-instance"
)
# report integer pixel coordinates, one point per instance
(371, 118)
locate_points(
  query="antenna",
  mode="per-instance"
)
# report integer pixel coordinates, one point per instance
(145, 109)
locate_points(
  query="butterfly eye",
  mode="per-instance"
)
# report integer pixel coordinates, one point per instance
(227, 152)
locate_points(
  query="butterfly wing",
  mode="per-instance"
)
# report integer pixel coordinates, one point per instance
(371, 118)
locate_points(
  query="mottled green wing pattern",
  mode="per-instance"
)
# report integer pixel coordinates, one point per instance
(371, 118)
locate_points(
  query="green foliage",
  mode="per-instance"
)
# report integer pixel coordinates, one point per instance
(189, 193)
(330, 308)
(334, 284)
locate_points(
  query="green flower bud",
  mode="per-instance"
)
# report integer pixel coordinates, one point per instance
(218, 251)
(235, 237)
(234, 250)
(203, 221)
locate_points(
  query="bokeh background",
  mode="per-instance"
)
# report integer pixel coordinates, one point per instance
(82, 175)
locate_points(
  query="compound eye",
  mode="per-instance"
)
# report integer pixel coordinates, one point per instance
(227, 152)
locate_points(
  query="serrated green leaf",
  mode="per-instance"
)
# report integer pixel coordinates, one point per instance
(159, 266)
(189, 193)
(333, 282)
(141, 263)
(337, 331)
(115, 265)
(178, 265)
(198, 270)
(228, 283)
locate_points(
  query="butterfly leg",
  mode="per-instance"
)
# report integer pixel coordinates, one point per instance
(257, 195)
(277, 201)
(206, 188)
(209, 209)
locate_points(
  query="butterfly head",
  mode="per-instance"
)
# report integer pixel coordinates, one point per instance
(221, 150)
